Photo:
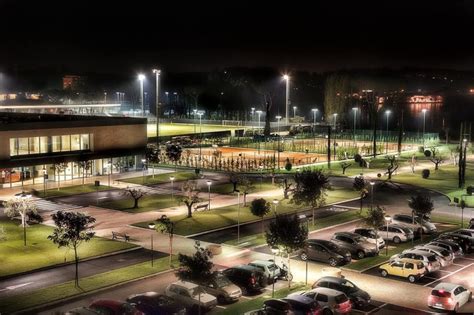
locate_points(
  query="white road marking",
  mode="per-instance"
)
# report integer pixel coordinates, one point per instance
(458, 265)
(221, 307)
(13, 287)
(467, 258)
(246, 297)
(377, 308)
(445, 271)
(449, 274)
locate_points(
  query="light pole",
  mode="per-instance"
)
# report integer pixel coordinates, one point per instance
(354, 110)
(387, 220)
(335, 120)
(200, 137)
(372, 183)
(387, 112)
(287, 98)
(294, 111)
(110, 170)
(275, 204)
(259, 113)
(141, 78)
(238, 217)
(194, 116)
(278, 123)
(157, 73)
(274, 251)
(172, 188)
(45, 178)
(143, 173)
(209, 183)
(151, 226)
(424, 121)
(315, 114)
(23, 197)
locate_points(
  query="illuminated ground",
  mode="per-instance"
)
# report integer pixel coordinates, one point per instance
(167, 130)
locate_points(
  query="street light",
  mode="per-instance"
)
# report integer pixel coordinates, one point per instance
(141, 78)
(200, 113)
(278, 123)
(294, 111)
(238, 216)
(387, 112)
(387, 219)
(354, 109)
(151, 226)
(157, 73)
(209, 183)
(259, 113)
(45, 178)
(172, 189)
(109, 165)
(275, 252)
(287, 98)
(335, 120)
(143, 173)
(23, 196)
(372, 183)
(275, 204)
(315, 115)
(424, 120)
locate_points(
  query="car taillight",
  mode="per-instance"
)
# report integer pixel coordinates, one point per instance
(450, 301)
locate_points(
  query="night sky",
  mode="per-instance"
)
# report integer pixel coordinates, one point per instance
(203, 35)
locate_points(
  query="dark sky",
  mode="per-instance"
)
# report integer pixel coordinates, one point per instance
(120, 36)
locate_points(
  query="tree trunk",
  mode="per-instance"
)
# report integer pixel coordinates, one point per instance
(135, 203)
(263, 229)
(171, 248)
(268, 103)
(245, 199)
(190, 209)
(76, 259)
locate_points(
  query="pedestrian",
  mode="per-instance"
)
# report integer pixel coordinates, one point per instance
(413, 163)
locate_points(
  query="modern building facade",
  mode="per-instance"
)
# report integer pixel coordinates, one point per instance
(66, 147)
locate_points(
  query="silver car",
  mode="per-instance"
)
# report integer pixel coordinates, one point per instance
(445, 257)
(414, 223)
(430, 260)
(395, 233)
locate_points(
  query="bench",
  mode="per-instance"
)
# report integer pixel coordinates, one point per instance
(116, 236)
(203, 207)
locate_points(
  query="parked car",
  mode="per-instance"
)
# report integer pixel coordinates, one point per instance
(325, 251)
(248, 278)
(114, 307)
(371, 237)
(414, 223)
(444, 256)
(82, 311)
(411, 269)
(358, 297)
(396, 233)
(222, 288)
(357, 245)
(191, 296)
(303, 305)
(460, 239)
(271, 270)
(331, 301)
(430, 260)
(273, 307)
(470, 235)
(449, 296)
(155, 303)
(454, 248)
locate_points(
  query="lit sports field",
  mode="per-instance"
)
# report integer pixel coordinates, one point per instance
(167, 130)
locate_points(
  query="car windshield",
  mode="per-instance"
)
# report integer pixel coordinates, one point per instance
(350, 286)
(272, 267)
(444, 253)
(406, 230)
(163, 300)
(331, 246)
(431, 258)
(369, 233)
(222, 281)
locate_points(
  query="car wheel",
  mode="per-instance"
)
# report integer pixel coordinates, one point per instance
(327, 311)
(360, 254)
(397, 240)
(456, 308)
(411, 278)
(289, 277)
(384, 273)
(332, 262)
(304, 256)
(221, 299)
(244, 290)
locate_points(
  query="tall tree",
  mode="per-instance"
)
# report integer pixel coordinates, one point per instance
(85, 165)
(173, 152)
(421, 205)
(196, 268)
(72, 229)
(245, 187)
(135, 193)
(259, 208)
(190, 196)
(374, 219)
(23, 207)
(360, 185)
(165, 225)
(59, 168)
(436, 158)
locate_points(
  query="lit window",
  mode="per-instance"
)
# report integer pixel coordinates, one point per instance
(65, 143)
(75, 142)
(85, 145)
(34, 145)
(43, 144)
(13, 146)
(22, 146)
(56, 143)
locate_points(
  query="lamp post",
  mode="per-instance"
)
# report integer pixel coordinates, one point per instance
(387, 220)
(141, 78)
(151, 226)
(45, 178)
(274, 251)
(172, 188)
(387, 113)
(143, 173)
(23, 196)
(287, 98)
(209, 183)
(261, 175)
(278, 118)
(372, 183)
(259, 113)
(315, 114)
(354, 110)
(157, 73)
(335, 120)
(294, 111)
(200, 137)
(238, 216)
(194, 116)
(424, 121)
(275, 204)
(109, 165)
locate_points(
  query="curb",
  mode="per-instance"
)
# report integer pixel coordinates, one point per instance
(137, 247)
(365, 269)
(55, 302)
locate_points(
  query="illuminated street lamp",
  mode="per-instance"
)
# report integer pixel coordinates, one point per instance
(157, 73)
(45, 178)
(354, 110)
(172, 189)
(387, 113)
(209, 183)
(335, 120)
(315, 115)
(275, 204)
(141, 78)
(424, 121)
(143, 168)
(151, 226)
(275, 251)
(294, 111)
(387, 220)
(259, 113)
(372, 183)
(238, 216)
(200, 113)
(278, 123)
(287, 98)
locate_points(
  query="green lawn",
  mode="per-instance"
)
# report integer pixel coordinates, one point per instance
(41, 252)
(167, 130)
(71, 190)
(66, 290)
(227, 188)
(253, 304)
(159, 178)
(225, 216)
(147, 203)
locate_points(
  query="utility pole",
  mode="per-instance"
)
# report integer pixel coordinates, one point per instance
(157, 105)
(329, 147)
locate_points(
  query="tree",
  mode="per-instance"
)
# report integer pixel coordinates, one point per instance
(288, 234)
(374, 219)
(85, 165)
(344, 166)
(288, 165)
(190, 196)
(360, 185)
(245, 186)
(135, 193)
(196, 268)
(60, 167)
(286, 184)
(72, 230)
(392, 167)
(23, 207)
(234, 180)
(421, 205)
(436, 158)
(173, 152)
(165, 225)
(259, 208)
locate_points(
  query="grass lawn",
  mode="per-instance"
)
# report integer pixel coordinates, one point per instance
(248, 305)
(225, 216)
(41, 252)
(160, 178)
(65, 290)
(147, 203)
(227, 188)
(72, 190)
(167, 130)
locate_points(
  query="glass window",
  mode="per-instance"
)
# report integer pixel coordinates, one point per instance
(85, 145)
(34, 145)
(22, 146)
(56, 143)
(75, 142)
(43, 144)
(13, 146)
(65, 143)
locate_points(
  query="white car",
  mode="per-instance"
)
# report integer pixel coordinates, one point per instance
(414, 223)
(445, 257)
(370, 236)
(449, 296)
(191, 296)
(430, 260)
(395, 233)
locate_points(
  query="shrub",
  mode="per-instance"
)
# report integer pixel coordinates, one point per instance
(427, 153)
(357, 158)
(470, 190)
(288, 165)
(425, 173)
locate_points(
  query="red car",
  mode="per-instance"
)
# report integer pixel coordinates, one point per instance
(113, 307)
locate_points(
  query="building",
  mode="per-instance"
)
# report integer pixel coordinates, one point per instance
(72, 82)
(32, 145)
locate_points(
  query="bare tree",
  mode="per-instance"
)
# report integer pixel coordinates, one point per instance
(344, 166)
(85, 165)
(135, 193)
(245, 186)
(436, 158)
(190, 196)
(60, 167)
(392, 167)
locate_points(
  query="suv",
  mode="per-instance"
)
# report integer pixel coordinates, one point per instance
(454, 248)
(444, 256)
(222, 288)
(415, 223)
(395, 233)
(248, 278)
(411, 269)
(331, 301)
(371, 237)
(325, 251)
(191, 296)
(271, 270)
(430, 260)
(460, 239)
(354, 243)
(273, 307)
(358, 297)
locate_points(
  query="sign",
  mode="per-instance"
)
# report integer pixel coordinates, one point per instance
(97, 183)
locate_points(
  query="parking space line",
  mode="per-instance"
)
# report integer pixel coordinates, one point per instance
(246, 297)
(467, 258)
(220, 306)
(445, 271)
(448, 275)
(377, 308)
(458, 265)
